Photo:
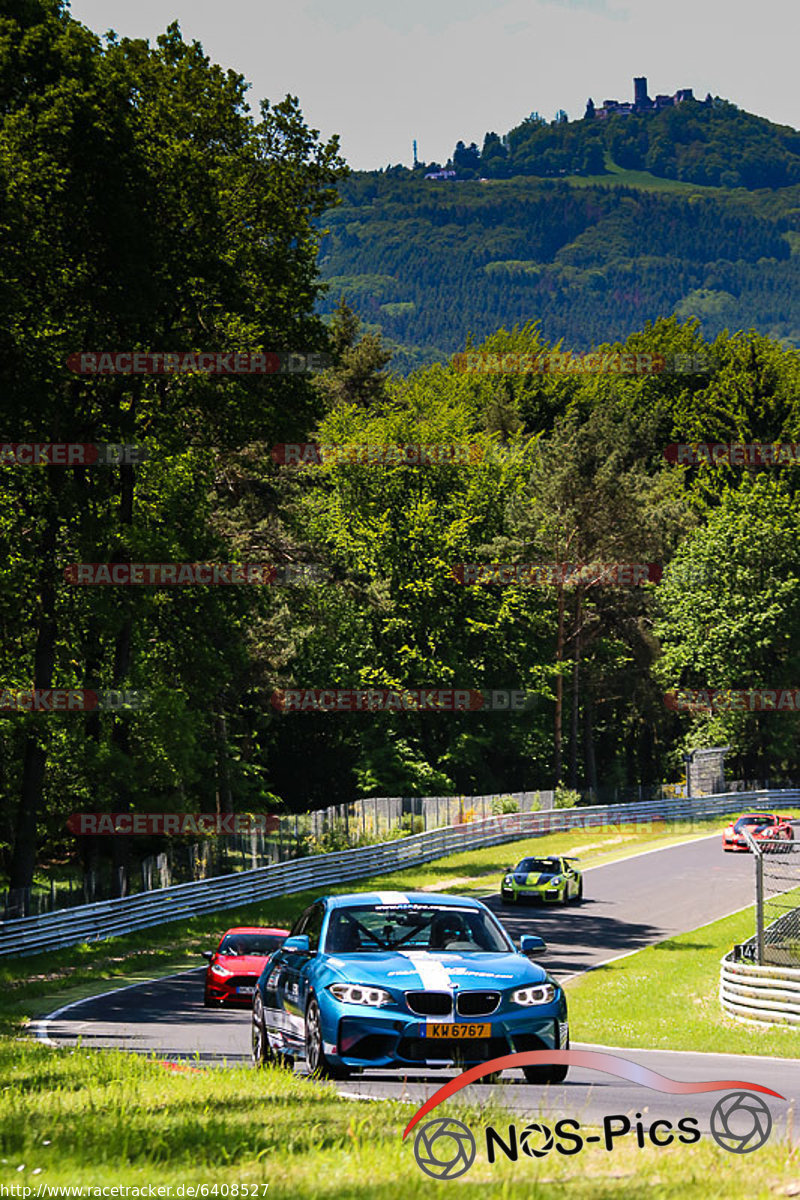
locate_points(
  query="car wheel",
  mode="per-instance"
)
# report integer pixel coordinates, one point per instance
(509, 899)
(209, 1003)
(579, 893)
(318, 1064)
(261, 1050)
(552, 1073)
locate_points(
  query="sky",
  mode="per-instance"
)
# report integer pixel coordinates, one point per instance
(381, 73)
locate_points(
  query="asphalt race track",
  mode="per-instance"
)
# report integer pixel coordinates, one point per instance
(628, 905)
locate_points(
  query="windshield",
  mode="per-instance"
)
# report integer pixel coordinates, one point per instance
(250, 943)
(743, 821)
(538, 864)
(413, 927)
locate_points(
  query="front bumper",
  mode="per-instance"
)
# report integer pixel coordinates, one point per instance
(522, 891)
(390, 1038)
(224, 991)
(735, 843)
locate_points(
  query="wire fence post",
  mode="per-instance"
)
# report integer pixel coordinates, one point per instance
(759, 907)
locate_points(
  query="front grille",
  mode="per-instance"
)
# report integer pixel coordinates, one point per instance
(374, 1045)
(430, 1004)
(477, 1004)
(239, 981)
(529, 1041)
(459, 1049)
(355, 1042)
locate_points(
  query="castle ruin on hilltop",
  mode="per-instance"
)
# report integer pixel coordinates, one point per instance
(641, 102)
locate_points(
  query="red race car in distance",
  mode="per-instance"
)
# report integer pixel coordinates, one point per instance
(761, 827)
(237, 962)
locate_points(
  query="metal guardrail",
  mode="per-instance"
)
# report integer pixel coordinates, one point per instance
(759, 993)
(110, 918)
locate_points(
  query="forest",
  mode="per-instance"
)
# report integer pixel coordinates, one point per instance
(429, 263)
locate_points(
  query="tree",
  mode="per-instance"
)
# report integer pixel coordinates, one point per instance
(730, 618)
(174, 219)
(357, 376)
(466, 158)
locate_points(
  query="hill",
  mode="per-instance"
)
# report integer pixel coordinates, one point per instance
(429, 262)
(638, 210)
(710, 142)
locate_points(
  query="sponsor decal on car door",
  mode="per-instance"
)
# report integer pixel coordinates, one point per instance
(295, 979)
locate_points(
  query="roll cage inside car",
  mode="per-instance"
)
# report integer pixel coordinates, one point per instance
(375, 927)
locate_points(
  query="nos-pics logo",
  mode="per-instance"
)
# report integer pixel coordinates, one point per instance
(445, 1148)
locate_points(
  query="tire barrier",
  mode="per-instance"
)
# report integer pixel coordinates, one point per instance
(763, 994)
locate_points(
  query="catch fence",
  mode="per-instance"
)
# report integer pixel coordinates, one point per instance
(112, 917)
(760, 978)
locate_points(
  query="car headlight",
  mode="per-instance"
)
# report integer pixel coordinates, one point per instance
(360, 993)
(217, 969)
(542, 993)
(555, 881)
(508, 879)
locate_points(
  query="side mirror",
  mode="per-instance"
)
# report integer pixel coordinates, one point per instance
(299, 944)
(529, 943)
(208, 954)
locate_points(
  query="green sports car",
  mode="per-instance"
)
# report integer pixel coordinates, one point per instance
(553, 880)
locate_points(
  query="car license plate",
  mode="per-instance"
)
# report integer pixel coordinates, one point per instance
(244, 991)
(480, 1029)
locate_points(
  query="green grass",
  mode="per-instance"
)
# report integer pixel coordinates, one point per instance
(615, 176)
(623, 177)
(108, 1118)
(643, 180)
(666, 997)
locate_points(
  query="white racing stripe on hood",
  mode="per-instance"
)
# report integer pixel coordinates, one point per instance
(393, 898)
(431, 971)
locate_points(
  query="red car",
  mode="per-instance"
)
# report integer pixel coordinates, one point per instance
(237, 962)
(760, 826)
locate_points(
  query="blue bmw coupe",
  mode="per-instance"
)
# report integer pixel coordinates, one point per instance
(405, 979)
